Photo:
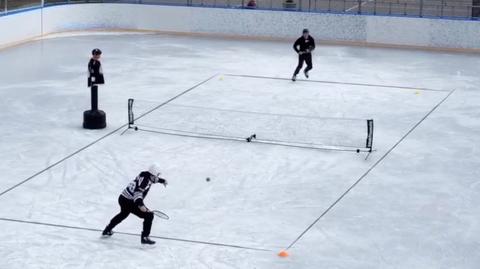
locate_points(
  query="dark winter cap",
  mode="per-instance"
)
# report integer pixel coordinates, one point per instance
(305, 30)
(96, 52)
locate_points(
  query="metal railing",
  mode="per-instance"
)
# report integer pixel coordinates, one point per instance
(455, 9)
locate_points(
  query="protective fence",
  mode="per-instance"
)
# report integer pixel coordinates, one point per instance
(460, 9)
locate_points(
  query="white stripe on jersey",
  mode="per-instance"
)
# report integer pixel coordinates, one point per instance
(130, 193)
(137, 195)
(127, 194)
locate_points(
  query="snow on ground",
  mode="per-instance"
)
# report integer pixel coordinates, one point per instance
(413, 203)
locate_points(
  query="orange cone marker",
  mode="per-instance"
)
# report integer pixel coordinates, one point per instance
(283, 254)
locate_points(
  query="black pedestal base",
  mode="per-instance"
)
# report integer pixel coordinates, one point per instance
(94, 119)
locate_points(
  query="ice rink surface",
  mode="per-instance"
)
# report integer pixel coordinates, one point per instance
(414, 203)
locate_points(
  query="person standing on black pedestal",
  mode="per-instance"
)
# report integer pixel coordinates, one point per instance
(95, 69)
(304, 47)
(95, 118)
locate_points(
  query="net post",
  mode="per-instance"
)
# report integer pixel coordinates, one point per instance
(369, 143)
(131, 119)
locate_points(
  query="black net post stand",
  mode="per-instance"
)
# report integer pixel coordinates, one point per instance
(94, 118)
(131, 119)
(369, 144)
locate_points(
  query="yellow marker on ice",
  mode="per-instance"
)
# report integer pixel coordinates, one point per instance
(220, 78)
(417, 92)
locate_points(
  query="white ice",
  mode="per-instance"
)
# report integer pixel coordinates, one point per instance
(415, 204)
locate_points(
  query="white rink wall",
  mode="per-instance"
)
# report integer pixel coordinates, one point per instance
(20, 27)
(368, 30)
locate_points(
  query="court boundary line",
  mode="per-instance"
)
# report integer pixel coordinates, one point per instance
(370, 169)
(99, 139)
(134, 234)
(341, 83)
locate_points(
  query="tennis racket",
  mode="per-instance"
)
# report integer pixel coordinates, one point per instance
(160, 214)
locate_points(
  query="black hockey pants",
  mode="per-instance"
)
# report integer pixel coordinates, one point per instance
(307, 58)
(127, 207)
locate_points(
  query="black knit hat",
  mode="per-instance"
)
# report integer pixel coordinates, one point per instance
(96, 52)
(305, 31)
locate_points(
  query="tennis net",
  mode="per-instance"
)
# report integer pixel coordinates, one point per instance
(301, 131)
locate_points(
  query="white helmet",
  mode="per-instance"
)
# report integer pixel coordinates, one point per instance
(154, 170)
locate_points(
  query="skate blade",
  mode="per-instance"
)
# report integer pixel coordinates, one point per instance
(147, 246)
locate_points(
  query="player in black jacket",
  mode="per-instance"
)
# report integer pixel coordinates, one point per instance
(304, 47)
(131, 201)
(95, 72)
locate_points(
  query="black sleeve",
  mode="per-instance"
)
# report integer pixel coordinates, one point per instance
(296, 44)
(161, 180)
(139, 202)
(312, 46)
(90, 67)
(98, 73)
(139, 192)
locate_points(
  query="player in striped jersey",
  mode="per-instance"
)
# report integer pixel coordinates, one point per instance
(131, 201)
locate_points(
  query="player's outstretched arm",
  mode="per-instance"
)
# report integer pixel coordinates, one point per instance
(163, 181)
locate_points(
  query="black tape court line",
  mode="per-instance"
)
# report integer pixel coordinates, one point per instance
(100, 139)
(342, 83)
(370, 169)
(133, 234)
